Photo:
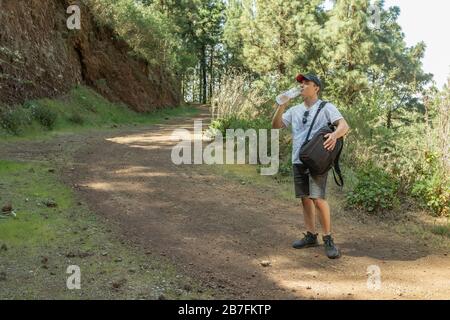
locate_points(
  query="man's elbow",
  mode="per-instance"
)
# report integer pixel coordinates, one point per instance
(277, 125)
(346, 127)
(274, 124)
(343, 127)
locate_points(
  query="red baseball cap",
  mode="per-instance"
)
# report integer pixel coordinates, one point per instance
(311, 77)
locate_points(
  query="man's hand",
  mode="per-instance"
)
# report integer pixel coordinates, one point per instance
(277, 122)
(284, 105)
(330, 143)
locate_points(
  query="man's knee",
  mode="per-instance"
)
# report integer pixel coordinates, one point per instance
(319, 201)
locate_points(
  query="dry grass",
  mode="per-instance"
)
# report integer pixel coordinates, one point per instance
(236, 97)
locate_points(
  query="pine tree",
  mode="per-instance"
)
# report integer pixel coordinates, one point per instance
(348, 50)
(267, 34)
(199, 24)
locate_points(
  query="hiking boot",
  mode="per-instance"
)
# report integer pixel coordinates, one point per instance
(309, 240)
(331, 250)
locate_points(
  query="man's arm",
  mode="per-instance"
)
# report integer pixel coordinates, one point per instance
(341, 130)
(277, 121)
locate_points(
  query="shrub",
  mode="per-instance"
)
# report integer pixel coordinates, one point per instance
(12, 120)
(234, 122)
(285, 153)
(414, 151)
(375, 191)
(434, 190)
(237, 98)
(44, 115)
(76, 118)
(442, 230)
(285, 168)
(432, 184)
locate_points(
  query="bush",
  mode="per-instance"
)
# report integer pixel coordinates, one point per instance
(12, 120)
(285, 168)
(375, 191)
(414, 151)
(442, 230)
(238, 98)
(76, 118)
(234, 122)
(432, 183)
(44, 115)
(434, 190)
(261, 122)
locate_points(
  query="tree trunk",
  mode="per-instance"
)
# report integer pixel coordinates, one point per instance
(211, 74)
(200, 76)
(183, 83)
(203, 74)
(193, 86)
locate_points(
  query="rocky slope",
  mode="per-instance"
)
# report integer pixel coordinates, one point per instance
(41, 57)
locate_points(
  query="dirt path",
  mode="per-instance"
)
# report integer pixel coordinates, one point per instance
(218, 231)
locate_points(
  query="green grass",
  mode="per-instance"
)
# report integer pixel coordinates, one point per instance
(70, 234)
(32, 190)
(82, 109)
(441, 230)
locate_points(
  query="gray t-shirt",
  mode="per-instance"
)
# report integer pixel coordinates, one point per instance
(294, 117)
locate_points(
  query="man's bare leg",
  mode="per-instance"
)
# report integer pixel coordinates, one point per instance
(323, 211)
(309, 214)
(310, 239)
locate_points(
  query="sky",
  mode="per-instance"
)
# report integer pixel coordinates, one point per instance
(428, 21)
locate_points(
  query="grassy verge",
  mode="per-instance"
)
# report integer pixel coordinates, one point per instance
(52, 231)
(81, 109)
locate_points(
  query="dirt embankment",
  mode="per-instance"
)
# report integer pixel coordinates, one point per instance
(41, 57)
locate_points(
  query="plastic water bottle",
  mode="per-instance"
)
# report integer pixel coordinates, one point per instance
(288, 95)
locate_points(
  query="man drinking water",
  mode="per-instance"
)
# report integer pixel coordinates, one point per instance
(311, 188)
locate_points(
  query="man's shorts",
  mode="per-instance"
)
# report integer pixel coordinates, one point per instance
(307, 186)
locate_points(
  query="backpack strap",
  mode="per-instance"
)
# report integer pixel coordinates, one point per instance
(322, 104)
(337, 169)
